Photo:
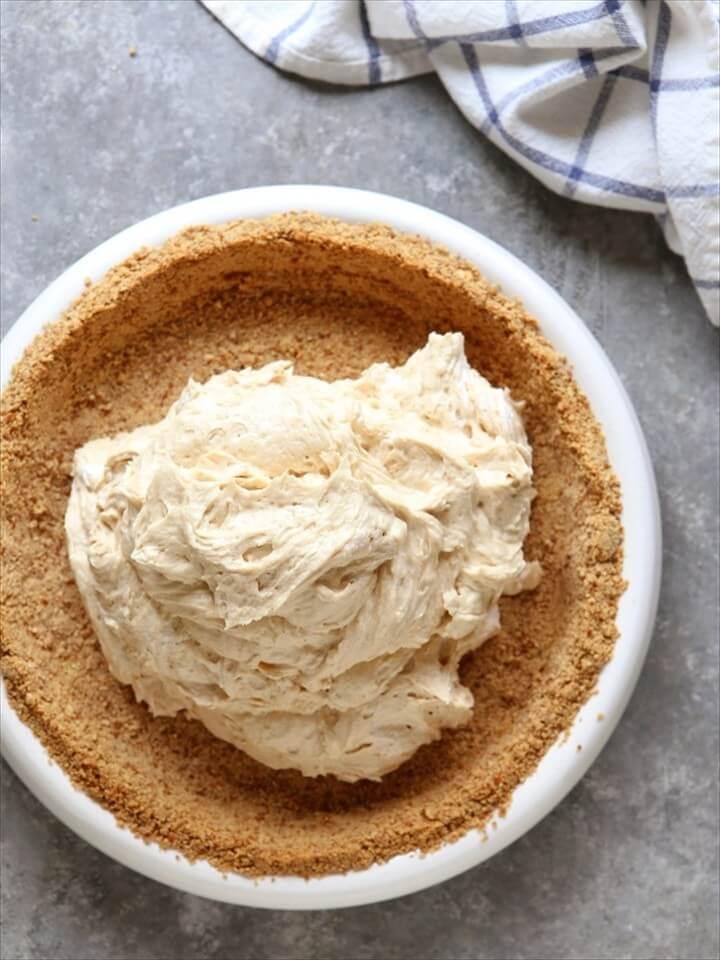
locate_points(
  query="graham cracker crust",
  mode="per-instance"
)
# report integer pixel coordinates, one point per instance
(334, 298)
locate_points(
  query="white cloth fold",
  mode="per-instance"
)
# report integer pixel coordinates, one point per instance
(615, 103)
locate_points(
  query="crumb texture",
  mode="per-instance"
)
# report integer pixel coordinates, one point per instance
(333, 298)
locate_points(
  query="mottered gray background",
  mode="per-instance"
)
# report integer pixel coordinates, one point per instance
(94, 140)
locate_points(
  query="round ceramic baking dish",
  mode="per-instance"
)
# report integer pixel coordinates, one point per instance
(563, 765)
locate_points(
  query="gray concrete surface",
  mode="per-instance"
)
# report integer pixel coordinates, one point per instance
(93, 140)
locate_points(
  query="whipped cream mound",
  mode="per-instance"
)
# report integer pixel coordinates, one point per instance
(301, 565)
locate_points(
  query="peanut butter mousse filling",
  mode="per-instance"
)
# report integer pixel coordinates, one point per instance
(335, 299)
(302, 565)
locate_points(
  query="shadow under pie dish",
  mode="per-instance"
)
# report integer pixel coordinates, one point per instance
(241, 288)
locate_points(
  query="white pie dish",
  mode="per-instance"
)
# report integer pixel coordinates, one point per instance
(563, 765)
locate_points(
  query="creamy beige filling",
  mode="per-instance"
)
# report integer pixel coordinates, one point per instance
(301, 565)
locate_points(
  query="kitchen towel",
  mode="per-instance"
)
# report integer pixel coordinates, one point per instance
(615, 103)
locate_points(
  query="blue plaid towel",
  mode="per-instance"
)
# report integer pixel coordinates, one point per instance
(615, 103)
